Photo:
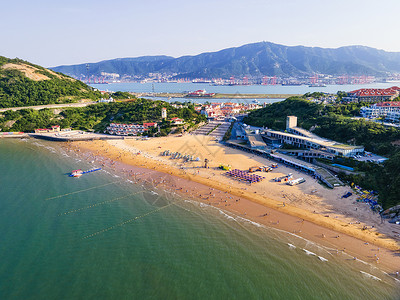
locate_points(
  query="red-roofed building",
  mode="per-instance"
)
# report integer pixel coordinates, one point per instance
(54, 128)
(147, 125)
(372, 95)
(177, 121)
(388, 110)
(390, 104)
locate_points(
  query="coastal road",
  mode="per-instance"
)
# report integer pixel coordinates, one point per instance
(38, 107)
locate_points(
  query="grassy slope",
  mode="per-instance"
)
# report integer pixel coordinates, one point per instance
(16, 89)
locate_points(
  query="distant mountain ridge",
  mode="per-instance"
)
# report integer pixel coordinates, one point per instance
(253, 60)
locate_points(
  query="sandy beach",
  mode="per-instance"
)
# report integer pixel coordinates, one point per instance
(309, 210)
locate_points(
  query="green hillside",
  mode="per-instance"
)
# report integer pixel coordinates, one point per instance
(26, 84)
(98, 116)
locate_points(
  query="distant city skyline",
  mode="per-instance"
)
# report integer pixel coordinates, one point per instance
(52, 33)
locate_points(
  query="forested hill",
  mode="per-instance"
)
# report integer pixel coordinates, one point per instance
(254, 60)
(26, 84)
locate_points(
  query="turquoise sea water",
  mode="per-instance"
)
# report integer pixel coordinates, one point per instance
(101, 237)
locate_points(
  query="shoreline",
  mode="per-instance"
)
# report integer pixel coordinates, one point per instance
(325, 231)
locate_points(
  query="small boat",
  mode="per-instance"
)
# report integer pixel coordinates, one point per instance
(79, 172)
(76, 173)
(317, 85)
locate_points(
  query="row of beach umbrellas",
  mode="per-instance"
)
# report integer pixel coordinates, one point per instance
(244, 175)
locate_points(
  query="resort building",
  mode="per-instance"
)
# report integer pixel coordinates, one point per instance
(302, 138)
(372, 95)
(129, 129)
(388, 110)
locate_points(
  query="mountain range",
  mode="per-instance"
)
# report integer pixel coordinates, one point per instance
(252, 60)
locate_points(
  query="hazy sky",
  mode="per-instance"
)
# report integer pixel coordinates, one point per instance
(54, 32)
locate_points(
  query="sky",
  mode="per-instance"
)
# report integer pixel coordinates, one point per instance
(53, 32)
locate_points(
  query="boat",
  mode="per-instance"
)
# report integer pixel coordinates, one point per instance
(317, 85)
(79, 172)
(292, 84)
(296, 181)
(76, 173)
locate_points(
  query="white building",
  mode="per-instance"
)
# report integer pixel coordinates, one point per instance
(163, 113)
(302, 138)
(129, 129)
(388, 110)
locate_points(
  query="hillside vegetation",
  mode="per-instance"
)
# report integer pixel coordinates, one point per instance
(334, 122)
(26, 84)
(97, 116)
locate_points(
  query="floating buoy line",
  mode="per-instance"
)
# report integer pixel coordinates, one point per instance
(84, 190)
(127, 221)
(98, 204)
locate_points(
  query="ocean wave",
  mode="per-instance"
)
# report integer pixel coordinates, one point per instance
(322, 259)
(309, 252)
(367, 275)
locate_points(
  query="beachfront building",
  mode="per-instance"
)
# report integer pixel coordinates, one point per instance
(372, 95)
(389, 110)
(302, 138)
(129, 129)
(55, 128)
